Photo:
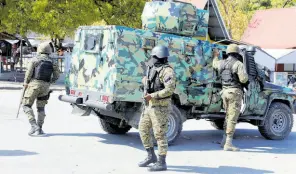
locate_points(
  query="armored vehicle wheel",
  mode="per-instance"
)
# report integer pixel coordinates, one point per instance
(175, 126)
(112, 128)
(278, 122)
(218, 124)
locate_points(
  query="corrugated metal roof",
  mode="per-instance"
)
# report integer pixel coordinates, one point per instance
(12, 41)
(278, 53)
(273, 28)
(4, 35)
(288, 58)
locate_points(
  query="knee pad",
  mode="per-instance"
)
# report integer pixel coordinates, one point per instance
(40, 109)
(27, 108)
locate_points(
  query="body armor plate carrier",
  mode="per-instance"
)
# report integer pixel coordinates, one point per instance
(154, 79)
(43, 71)
(229, 79)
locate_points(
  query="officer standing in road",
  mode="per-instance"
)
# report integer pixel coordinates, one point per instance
(41, 72)
(161, 85)
(233, 74)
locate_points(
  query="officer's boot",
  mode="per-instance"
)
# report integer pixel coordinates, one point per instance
(151, 158)
(160, 165)
(223, 141)
(34, 128)
(41, 116)
(228, 144)
(40, 123)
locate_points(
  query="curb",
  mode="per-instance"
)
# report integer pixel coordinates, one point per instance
(18, 86)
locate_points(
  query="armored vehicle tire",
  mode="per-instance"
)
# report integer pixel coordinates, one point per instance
(112, 128)
(278, 122)
(218, 124)
(175, 126)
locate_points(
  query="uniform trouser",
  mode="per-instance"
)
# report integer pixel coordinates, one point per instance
(156, 118)
(33, 92)
(232, 99)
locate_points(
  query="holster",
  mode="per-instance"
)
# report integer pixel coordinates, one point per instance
(46, 97)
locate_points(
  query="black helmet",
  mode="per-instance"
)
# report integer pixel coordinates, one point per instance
(160, 52)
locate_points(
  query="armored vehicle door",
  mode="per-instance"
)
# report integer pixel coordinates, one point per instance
(253, 90)
(202, 78)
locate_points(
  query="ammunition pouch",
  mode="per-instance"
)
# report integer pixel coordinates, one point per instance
(46, 97)
(43, 71)
(229, 78)
(154, 83)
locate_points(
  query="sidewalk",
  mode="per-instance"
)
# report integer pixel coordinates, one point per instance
(12, 76)
(14, 81)
(19, 85)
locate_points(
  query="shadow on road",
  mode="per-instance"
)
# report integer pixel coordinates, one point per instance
(221, 169)
(130, 139)
(16, 153)
(249, 140)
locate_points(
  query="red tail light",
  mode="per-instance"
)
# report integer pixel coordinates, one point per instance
(72, 92)
(105, 99)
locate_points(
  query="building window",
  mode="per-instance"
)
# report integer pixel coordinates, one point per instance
(288, 67)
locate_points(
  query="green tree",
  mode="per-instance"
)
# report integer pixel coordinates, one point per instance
(57, 18)
(235, 18)
(121, 12)
(14, 16)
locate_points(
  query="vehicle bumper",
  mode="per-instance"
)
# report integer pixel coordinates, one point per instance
(89, 103)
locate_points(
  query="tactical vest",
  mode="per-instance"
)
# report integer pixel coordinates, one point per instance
(43, 71)
(229, 79)
(154, 79)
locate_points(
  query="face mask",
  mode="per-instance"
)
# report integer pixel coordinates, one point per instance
(156, 62)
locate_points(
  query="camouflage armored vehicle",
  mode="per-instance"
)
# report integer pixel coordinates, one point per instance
(108, 64)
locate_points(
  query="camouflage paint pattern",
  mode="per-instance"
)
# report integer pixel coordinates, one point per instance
(117, 68)
(110, 60)
(37, 88)
(33, 92)
(168, 79)
(176, 18)
(232, 98)
(34, 62)
(156, 118)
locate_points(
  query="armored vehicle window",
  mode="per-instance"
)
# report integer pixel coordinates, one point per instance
(148, 43)
(189, 49)
(93, 42)
(90, 42)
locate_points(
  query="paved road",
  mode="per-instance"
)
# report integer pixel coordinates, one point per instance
(77, 145)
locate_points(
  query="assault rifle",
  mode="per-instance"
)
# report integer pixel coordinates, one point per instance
(22, 96)
(146, 84)
(21, 100)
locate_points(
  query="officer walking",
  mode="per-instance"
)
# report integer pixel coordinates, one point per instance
(41, 72)
(161, 85)
(233, 74)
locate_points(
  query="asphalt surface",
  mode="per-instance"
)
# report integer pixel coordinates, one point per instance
(77, 145)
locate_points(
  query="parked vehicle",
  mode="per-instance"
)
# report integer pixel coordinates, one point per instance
(108, 64)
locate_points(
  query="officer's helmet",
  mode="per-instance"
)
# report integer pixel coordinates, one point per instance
(45, 48)
(232, 48)
(160, 52)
